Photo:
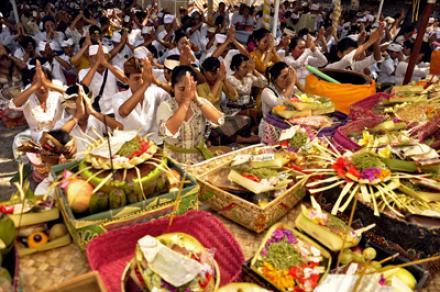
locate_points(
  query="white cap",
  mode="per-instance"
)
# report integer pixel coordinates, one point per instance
(116, 37)
(171, 64)
(141, 52)
(168, 19)
(147, 29)
(354, 37)
(390, 20)
(289, 32)
(431, 20)
(220, 38)
(395, 48)
(93, 50)
(67, 43)
(314, 7)
(369, 17)
(126, 18)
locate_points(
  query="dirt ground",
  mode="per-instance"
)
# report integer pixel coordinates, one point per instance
(8, 166)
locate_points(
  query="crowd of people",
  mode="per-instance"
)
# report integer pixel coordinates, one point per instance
(188, 80)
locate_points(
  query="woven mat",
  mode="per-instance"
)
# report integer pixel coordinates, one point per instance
(46, 269)
(50, 268)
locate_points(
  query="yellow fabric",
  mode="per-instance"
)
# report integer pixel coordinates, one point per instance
(83, 63)
(435, 63)
(204, 91)
(259, 61)
(343, 95)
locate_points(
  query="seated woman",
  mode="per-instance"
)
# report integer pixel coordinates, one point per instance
(302, 53)
(265, 54)
(182, 119)
(40, 103)
(213, 89)
(244, 79)
(216, 83)
(281, 87)
(82, 121)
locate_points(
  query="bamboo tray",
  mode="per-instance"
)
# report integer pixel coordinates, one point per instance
(233, 207)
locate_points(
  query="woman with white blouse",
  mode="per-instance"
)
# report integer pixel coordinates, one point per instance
(282, 80)
(41, 105)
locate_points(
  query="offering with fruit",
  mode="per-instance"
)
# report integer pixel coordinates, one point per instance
(41, 237)
(326, 228)
(302, 105)
(363, 263)
(173, 262)
(263, 174)
(290, 261)
(124, 170)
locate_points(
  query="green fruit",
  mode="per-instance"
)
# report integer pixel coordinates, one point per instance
(161, 184)
(357, 257)
(117, 199)
(369, 253)
(346, 258)
(99, 202)
(134, 196)
(8, 233)
(57, 231)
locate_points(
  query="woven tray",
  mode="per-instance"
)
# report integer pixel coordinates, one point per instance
(109, 253)
(233, 207)
(47, 269)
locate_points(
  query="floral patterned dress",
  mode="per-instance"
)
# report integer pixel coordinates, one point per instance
(190, 135)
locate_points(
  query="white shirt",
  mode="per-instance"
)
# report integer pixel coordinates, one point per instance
(110, 88)
(41, 119)
(315, 59)
(161, 49)
(346, 61)
(243, 35)
(56, 41)
(5, 36)
(270, 98)
(57, 69)
(367, 62)
(143, 116)
(119, 59)
(94, 130)
(418, 74)
(387, 71)
(198, 38)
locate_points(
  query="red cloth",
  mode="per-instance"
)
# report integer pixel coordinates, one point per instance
(109, 253)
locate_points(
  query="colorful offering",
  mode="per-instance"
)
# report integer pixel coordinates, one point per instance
(290, 261)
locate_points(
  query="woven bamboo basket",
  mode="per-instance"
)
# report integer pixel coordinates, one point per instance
(86, 228)
(233, 207)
